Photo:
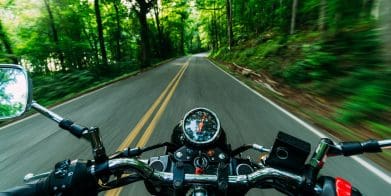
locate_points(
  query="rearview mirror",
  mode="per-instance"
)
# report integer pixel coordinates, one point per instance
(15, 93)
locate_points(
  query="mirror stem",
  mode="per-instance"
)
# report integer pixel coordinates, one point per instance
(92, 134)
(55, 117)
(98, 150)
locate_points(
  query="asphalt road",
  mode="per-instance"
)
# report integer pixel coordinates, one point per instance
(36, 144)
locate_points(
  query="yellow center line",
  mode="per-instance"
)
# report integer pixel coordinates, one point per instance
(147, 134)
(140, 124)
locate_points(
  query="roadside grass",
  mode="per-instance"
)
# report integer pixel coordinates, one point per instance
(350, 85)
(54, 90)
(336, 129)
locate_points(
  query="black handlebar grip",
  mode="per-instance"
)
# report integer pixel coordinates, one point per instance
(39, 187)
(371, 146)
(65, 124)
(75, 129)
(354, 148)
(351, 148)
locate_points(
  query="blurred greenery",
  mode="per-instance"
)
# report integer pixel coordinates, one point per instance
(60, 42)
(333, 49)
(337, 50)
(49, 88)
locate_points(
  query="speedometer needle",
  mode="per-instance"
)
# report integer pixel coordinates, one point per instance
(201, 124)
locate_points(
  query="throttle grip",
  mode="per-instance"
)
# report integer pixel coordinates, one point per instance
(354, 148)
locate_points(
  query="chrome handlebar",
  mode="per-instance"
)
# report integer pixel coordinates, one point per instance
(385, 144)
(147, 172)
(256, 177)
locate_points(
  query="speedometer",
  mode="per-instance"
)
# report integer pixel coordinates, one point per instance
(201, 126)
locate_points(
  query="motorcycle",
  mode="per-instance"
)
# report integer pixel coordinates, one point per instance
(197, 161)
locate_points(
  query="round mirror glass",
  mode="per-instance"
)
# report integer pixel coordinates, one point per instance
(13, 92)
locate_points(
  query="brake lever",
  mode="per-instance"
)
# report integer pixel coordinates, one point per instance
(246, 147)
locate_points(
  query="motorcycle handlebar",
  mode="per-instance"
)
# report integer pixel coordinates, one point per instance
(254, 178)
(385, 144)
(147, 172)
(355, 148)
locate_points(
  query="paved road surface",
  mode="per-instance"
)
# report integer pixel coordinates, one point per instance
(36, 144)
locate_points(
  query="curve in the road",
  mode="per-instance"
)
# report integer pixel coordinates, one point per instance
(171, 87)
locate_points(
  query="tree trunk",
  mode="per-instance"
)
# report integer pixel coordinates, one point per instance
(322, 15)
(55, 34)
(215, 28)
(293, 19)
(90, 35)
(182, 35)
(145, 46)
(7, 44)
(367, 6)
(212, 32)
(160, 51)
(229, 24)
(100, 34)
(118, 32)
(144, 7)
(385, 21)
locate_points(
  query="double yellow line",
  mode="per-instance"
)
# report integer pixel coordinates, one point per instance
(165, 98)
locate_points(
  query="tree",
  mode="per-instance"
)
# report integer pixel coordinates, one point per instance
(293, 19)
(142, 8)
(116, 4)
(7, 44)
(230, 34)
(160, 49)
(322, 15)
(54, 34)
(100, 34)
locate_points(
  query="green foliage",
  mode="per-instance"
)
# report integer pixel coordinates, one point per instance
(335, 52)
(357, 107)
(66, 40)
(370, 101)
(381, 129)
(270, 48)
(52, 87)
(317, 65)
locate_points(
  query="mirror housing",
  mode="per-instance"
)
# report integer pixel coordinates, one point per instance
(15, 91)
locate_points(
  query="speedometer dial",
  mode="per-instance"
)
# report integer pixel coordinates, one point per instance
(201, 126)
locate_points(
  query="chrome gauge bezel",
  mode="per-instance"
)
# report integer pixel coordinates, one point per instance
(211, 140)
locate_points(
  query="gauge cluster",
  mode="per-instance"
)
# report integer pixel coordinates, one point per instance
(203, 145)
(186, 154)
(201, 126)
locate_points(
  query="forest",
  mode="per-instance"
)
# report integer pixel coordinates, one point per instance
(78, 44)
(336, 51)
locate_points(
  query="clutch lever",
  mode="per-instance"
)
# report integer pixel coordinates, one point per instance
(120, 181)
(30, 177)
(137, 151)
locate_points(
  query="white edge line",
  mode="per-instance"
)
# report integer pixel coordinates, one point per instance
(364, 163)
(66, 102)
(57, 106)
